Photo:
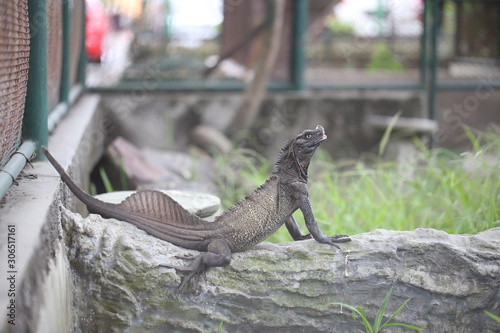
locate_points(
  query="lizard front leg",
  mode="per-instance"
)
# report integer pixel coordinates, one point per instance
(294, 230)
(218, 254)
(304, 205)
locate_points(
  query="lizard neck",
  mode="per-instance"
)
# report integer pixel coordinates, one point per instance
(291, 168)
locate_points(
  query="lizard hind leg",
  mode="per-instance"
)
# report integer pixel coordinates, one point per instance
(218, 255)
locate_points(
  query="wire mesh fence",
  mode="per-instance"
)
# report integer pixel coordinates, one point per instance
(14, 56)
(54, 51)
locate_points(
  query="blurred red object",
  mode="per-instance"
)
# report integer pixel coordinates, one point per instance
(96, 25)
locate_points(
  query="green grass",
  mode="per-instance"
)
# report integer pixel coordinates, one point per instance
(492, 316)
(457, 193)
(377, 325)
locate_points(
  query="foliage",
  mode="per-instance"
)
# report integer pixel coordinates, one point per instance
(377, 325)
(440, 189)
(239, 173)
(492, 316)
(338, 28)
(383, 59)
(387, 134)
(105, 179)
(111, 184)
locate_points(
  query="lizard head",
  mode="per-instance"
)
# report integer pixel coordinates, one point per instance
(307, 142)
(298, 152)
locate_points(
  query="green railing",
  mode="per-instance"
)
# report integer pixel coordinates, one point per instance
(38, 120)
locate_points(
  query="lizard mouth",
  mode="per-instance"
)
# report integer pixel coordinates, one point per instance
(323, 136)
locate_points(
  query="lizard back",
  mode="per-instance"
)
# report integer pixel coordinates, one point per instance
(257, 216)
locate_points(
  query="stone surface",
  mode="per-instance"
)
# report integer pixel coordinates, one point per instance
(123, 157)
(148, 168)
(211, 140)
(200, 204)
(166, 121)
(193, 171)
(451, 280)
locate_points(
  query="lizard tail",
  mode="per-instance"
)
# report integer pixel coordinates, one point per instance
(152, 211)
(93, 204)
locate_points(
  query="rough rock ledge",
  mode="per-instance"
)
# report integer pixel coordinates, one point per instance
(451, 280)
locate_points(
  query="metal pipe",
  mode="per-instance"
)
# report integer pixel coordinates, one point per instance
(366, 86)
(56, 115)
(62, 108)
(16, 163)
(467, 85)
(36, 108)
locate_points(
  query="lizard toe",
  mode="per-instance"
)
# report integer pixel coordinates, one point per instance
(337, 236)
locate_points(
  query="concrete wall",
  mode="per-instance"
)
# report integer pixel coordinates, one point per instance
(164, 120)
(42, 290)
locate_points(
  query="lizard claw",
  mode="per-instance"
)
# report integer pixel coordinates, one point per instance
(335, 239)
(304, 237)
(195, 269)
(184, 258)
(340, 238)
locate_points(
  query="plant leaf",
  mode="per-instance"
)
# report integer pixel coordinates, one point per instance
(395, 313)
(492, 316)
(361, 313)
(387, 133)
(407, 326)
(472, 138)
(105, 179)
(360, 309)
(381, 310)
(219, 330)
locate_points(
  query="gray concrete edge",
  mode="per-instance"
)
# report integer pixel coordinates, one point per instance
(32, 207)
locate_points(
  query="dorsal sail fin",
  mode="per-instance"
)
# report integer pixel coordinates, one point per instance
(160, 207)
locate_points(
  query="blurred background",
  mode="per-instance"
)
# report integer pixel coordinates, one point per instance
(329, 61)
(439, 52)
(254, 72)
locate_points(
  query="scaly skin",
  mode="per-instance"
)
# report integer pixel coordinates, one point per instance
(248, 222)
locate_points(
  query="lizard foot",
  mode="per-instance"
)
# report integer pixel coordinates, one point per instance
(218, 255)
(303, 237)
(335, 239)
(195, 269)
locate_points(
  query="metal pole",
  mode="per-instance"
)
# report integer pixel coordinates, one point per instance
(82, 61)
(36, 109)
(301, 8)
(423, 44)
(431, 83)
(65, 84)
(434, 61)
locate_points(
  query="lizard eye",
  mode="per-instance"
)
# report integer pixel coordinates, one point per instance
(308, 136)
